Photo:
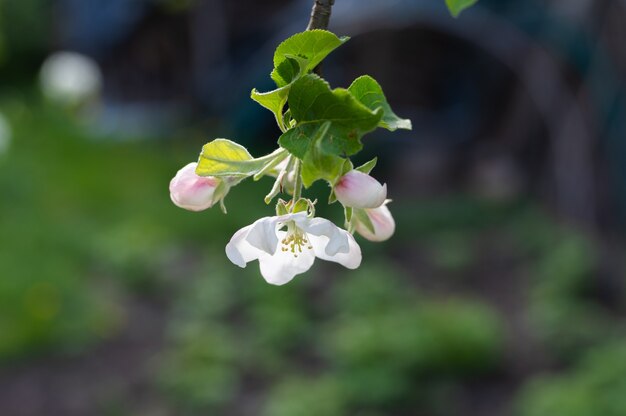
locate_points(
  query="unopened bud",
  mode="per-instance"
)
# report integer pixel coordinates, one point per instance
(193, 192)
(359, 190)
(382, 222)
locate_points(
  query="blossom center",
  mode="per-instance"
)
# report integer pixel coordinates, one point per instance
(295, 240)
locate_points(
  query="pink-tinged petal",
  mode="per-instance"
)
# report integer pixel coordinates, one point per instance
(383, 222)
(336, 240)
(192, 192)
(350, 259)
(239, 251)
(359, 190)
(283, 266)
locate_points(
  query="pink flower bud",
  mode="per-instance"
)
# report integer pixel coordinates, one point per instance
(193, 192)
(384, 225)
(359, 190)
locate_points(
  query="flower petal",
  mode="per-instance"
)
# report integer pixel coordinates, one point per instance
(239, 251)
(350, 259)
(382, 220)
(283, 266)
(262, 234)
(298, 217)
(336, 240)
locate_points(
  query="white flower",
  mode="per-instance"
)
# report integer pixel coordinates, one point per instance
(193, 192)
(284, 254)
(360, 190)
(381, 219)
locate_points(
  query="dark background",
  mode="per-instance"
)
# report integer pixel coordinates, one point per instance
(502, 292)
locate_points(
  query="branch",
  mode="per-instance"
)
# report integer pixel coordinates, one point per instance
(320, 14)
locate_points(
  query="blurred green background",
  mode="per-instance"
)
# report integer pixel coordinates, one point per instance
(492, 299)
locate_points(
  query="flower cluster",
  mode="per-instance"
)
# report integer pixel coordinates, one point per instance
(321, 128)
(286, 245)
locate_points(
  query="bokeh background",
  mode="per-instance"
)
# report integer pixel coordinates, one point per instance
(501, 294)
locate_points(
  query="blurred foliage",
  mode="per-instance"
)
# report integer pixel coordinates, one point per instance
(80, 212)
(565, 273)
(307, 397)
(596, 386)
(367, 343)
(24, 29)
(92, 228)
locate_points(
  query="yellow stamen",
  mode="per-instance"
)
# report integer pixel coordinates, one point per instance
(295, 240)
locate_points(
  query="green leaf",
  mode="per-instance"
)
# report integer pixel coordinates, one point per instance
(305, 143)
(330, 126)
(297, 140)
(457, 6)
(312, 104)
(222, 157)
(273, 100)
(368, 166)
(317, 164)
(369, 93)
(313, 45)
(293, 68)
(359, 215)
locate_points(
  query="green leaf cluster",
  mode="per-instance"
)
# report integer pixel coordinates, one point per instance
(294, 58)
(322, 127)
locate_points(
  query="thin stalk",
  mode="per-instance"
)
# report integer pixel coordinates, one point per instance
(281, 123)
(274, 154)
(279, 155)
(297, 187)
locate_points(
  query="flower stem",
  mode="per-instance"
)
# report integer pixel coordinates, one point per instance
(281, 123)
(297, 187)
(276, 153)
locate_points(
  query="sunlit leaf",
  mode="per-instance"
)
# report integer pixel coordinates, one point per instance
(313, 45)
(369, 93)
(222, 157)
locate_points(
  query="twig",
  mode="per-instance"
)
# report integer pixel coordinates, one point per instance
(320, 14)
